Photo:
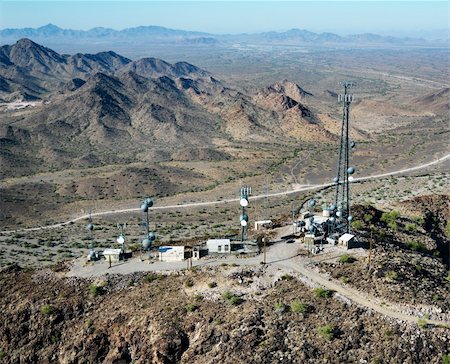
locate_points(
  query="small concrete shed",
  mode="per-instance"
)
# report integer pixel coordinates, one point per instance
(221, 246)
(347, 240)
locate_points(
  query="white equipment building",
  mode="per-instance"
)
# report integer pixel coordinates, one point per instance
(221, 246)
(172, 253)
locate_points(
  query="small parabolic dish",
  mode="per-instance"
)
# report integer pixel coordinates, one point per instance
(243, 223)
(351, 178)
(121, 239)
(243, 202)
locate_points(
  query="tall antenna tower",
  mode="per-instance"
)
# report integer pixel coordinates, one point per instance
(344, 171)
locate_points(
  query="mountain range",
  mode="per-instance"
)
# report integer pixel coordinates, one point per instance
(156, 34)
(92, 109)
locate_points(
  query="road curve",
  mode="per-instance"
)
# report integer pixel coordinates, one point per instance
(218, 202)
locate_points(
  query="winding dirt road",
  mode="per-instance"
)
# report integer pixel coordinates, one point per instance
(218, 202)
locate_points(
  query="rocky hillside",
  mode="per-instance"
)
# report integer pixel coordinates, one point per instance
(410, 261)
(204, 316)
(104, 108)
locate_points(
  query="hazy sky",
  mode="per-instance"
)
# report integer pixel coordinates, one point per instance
(384, 17)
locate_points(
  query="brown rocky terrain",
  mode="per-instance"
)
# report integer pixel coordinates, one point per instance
(197, 317)
(410, 261)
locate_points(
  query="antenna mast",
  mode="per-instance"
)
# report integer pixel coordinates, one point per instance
(344, 171)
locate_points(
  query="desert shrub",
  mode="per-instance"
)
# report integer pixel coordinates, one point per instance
(393, 225)
(326, 331)
(368, 217)
(391, 275)
(416, 246)
(422, 322)
(279, 306)
(189, 283)
(47, 309)
(299, 307)
(448, 277)
(212, 284)
(2, 354)
(345, 258)
(150, 278)
(357, 225)
(191, 307)
(286, 277)
(447, 228)
(94, 290)
(235, 300)
(322, 292)
(411, 227)
(344, 279)
(388, 217)
(231, 298)
(227, 295)
(446, 359)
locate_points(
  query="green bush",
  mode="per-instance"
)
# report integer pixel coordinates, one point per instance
(326, 331)
(47, 309)
(446, 359)
(94, 290)
(393, 225)
(357, 225)
(322, 292)
(368, 217)
(391, 275)
(299, 307)
(448, 277)
(212, 284)
(150, 278)
(345, 258)
(2, 354)
(231, 298)
(390, 217)
(411, 227)
(447, 229)
(279, 306)
(416, 246)
(191, 307)
(227, 295)
(235, 300)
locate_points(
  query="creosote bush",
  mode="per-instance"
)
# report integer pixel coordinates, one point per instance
(391, 275)
(299, 307)
(345, 258)
(322, 292)
(326, 331)
(47, 309)
(94, 290)
(191, 307)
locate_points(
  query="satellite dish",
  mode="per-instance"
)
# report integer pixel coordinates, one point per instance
(243, 223)
(90, 227)
(351, 178)
(312, 202)
(146, 243)
(243, 202)
(335, 180)
(339, 213)
(351, 170)
(352, 144)
(148, 202)
(121, 239)
(350, 218)
(144, 207)
(151, 236)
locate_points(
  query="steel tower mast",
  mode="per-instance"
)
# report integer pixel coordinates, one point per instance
(342, 196)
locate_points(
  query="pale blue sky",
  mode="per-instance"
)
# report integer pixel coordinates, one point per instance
(343, 17)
